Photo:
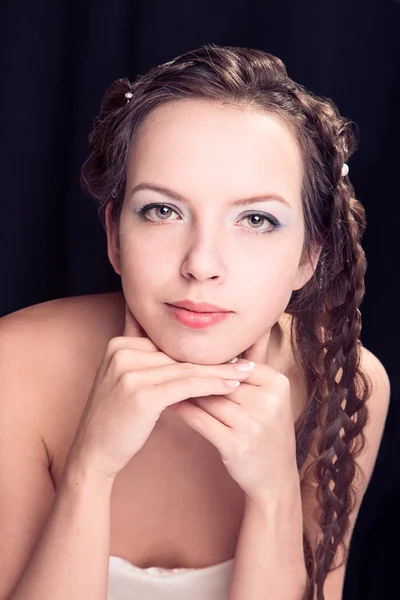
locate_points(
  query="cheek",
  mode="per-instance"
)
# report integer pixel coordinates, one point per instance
(143, 265)
(271, 292)
(267, 285)
(272, 269)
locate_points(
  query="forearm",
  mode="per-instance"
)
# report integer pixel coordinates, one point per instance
(269, 561)
(71, 557)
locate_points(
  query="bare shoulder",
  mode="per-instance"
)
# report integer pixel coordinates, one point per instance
(378, 405)
(50, 338)
(377, 374)
(50, 353)
(64, 316)
(53, 339)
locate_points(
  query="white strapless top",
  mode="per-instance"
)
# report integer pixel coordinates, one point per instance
(128, 582)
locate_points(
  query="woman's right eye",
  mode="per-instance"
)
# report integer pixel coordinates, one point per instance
(161, 216)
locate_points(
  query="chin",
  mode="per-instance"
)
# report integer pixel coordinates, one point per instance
(200, 355)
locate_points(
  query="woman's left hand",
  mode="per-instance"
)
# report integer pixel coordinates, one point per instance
(252, 427)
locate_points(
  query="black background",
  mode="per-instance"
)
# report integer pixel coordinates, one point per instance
(57, 59)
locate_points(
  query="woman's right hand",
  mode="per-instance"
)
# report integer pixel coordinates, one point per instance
(134, 384)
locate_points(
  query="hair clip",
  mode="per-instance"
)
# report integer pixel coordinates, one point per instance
(128, 96)
(345, 169)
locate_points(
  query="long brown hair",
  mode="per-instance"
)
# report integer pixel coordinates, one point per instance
(326, 321)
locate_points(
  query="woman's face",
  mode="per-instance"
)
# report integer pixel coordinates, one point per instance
(200, 243)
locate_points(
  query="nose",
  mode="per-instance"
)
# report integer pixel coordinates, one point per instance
(203, 260)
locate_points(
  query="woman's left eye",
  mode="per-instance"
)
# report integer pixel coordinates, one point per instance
(261, 218)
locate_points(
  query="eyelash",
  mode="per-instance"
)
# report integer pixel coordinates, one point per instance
(274, 222)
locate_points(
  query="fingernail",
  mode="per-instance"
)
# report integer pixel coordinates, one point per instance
(247, 366)
(233, 360)
(232, 383)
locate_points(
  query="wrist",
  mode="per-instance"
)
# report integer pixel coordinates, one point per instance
(286, 496)
(79, 471)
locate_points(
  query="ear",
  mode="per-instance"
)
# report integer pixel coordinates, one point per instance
(306, 268)
(112, 230)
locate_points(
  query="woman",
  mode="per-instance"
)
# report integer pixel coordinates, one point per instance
(137, 460)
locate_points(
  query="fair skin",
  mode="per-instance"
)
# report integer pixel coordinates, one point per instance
(209, 252)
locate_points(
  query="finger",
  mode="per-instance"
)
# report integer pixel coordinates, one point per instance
(227, 412)
(128, 359)
(137, 348)
(258, 352)
(169, 394)
(210, 428)
(132, 343)
(185, 373)
(262, 375)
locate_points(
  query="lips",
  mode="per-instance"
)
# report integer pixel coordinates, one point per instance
(199, 307)
(198, 320)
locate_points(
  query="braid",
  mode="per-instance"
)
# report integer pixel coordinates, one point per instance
(343, 414)
(328, 337)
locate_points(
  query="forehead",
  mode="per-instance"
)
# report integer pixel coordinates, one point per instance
(204, 149)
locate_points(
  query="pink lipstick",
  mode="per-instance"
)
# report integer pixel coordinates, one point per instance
(198, 315)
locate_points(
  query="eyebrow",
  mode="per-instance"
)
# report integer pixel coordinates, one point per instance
(176, 196)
